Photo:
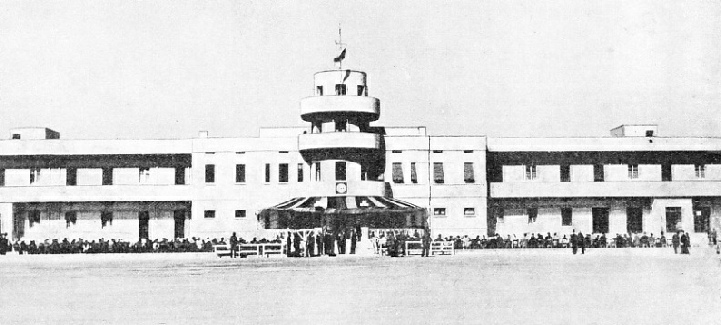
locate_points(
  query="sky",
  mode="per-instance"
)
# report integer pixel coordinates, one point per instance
(548, 68)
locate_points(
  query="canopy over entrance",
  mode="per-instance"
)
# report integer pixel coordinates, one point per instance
(341, 212)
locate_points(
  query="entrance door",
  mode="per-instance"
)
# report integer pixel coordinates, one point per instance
(179, 216)
(634, 220)
(701, 219)
(143, 220)
(600, 220)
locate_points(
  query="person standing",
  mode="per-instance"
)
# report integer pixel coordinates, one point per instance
(426, 243)
(574, 242)
(675, 242)
(3, 244)
(685, 243)
(582, 242)
(233, 246)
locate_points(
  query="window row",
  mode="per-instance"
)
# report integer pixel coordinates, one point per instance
(438, 173)
(342, 90)
(95, 176)
(441, 212)
(240, 173)
(600, 172)
(210, 214)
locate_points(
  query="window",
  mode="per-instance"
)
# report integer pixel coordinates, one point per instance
(666, 173)
(107, 176)
(16, 136)
(360, 90)
(701, 219)
(240, 213)
(599, 220)
(2, 177)
(340, 89)
(632, 171)
(673, 219)
(106, 218)
(467, 151)
(267, 173)
(364, 171)
(283, 173)
(319, 90)
(598, 173)
(468, 174)
(340, 171)
(397, 172)
(566, 217)
(565, 173)
(700, 170)
(317, 171)
(414, 176)
(439, 212)
(33, 217)
(469, 212)
(437, 151)
(396, 151)
(438, 172)
(240, 173)
(649, 133)
(300, 172)
(532, 214)
(210, 173)
(71, 176)
(531, 172)
(634, 220)
(209, 214)
(34, 175)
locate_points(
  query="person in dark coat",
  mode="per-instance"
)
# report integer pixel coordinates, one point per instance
(233, 246)
(4, 244)
(574, 242)
(685, 243)
(675, 242)
(582, 242)
(426, 244)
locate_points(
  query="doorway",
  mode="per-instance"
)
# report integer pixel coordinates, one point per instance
(634, 220)
(701, 219)
(600, 220)
(143, 224)
(179, 216)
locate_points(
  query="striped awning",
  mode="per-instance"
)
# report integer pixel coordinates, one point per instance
(345, 204)
(342, 211)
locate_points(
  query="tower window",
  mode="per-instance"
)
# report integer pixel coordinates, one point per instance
(317, 171)
(397, 172)
(438, 173)
(468, 174)
(565, 173)
(240, 173)
(341, 125)
(210, 173)
(340, 171)
(300, 172)
(414, 176)
(107, 176)
(360, 90)
(283, 173)
(319, 90)
(340, 89)
(598, 174)
(267, 173)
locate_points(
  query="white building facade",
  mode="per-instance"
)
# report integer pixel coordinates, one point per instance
(633, 181)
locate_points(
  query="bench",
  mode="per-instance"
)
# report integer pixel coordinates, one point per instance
(221, 250)
(442, 247)
(414, 247)
(262, 250)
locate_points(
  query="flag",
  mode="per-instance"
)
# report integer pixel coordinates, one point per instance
(340, 57)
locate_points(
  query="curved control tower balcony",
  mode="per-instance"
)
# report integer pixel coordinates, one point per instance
(339, 140)
(325, 107)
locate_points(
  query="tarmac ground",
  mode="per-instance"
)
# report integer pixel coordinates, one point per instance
(528, 286)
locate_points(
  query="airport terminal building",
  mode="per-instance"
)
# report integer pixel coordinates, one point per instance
(630, 181)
